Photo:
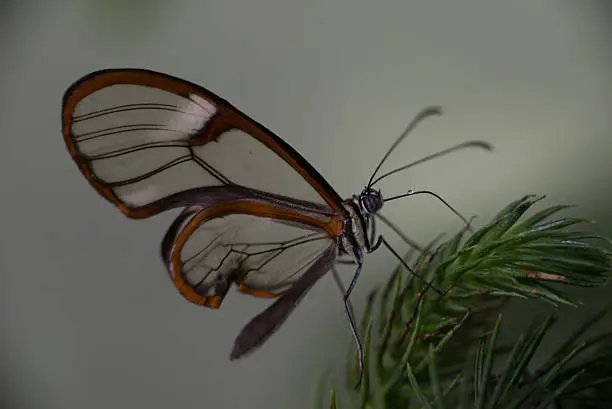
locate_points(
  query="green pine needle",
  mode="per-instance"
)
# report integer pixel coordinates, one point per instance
(445, 353)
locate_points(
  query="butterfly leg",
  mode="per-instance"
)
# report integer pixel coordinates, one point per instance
(376, 245)
(351, 320)
(422, 293)
(400, 233)
(373, 237)
(407, 267)
(373, 230)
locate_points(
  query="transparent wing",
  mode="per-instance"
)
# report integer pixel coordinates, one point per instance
(262, 326)
(141, 138)
(262, 248)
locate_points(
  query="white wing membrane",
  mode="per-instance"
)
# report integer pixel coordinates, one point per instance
(261, 253)
(144, 144)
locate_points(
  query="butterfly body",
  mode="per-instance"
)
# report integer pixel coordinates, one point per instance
(357, 231)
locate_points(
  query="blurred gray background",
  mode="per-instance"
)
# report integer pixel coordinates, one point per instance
(89, 318)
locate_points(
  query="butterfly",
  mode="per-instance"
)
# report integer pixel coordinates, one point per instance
(255, 214)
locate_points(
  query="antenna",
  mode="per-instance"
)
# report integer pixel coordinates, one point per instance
(429, 111)
(470, 144)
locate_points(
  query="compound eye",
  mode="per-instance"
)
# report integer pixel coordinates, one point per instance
(371, 201)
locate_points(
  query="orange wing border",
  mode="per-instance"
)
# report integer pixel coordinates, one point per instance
(227, 117)
(192, 217)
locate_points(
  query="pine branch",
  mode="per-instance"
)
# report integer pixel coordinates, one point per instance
(420, 357)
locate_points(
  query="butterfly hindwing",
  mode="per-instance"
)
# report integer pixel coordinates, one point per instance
(262, 326)
(261, 247)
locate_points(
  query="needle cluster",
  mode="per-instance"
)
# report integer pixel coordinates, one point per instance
(423, 350)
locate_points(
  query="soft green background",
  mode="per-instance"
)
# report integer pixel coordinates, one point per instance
(88, 316)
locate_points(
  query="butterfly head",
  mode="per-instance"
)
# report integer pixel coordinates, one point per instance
(371, 200)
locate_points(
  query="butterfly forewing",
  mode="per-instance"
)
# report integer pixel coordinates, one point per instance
(141, 136)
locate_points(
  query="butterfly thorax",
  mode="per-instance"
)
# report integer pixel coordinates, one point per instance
(355, 238)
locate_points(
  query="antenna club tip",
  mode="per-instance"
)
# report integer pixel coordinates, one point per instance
(480, 144)
(432, 110)
(487, 146)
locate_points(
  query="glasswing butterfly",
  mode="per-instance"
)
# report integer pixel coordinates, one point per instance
(255, 213)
